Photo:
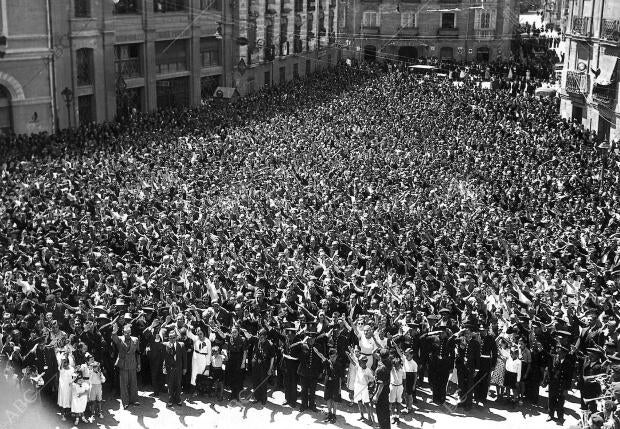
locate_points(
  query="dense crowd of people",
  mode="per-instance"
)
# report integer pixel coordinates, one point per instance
(362, 230)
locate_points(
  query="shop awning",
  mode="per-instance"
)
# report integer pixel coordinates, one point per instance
(607, 66)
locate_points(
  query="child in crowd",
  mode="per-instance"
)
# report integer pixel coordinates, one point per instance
(411, 378)
(512, 377)
(333, 375)
(79, 397)
(361, 389)
(95, 394)
(397, 378)
(218, 357)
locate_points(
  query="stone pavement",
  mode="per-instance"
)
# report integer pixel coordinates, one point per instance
(208, 413)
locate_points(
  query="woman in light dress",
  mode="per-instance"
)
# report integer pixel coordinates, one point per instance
(65, 379)
(367, 343)
(497, 376)
(201, 358)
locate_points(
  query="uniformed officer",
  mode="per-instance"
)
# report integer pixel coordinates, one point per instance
(467, 361)
(488, 359)
(309, 369)
(559, 375)
(442, 363)
(290, 363)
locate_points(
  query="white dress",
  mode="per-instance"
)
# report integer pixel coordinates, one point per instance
(363, 376)
(201, 358)
(65, 379)
(79, 397)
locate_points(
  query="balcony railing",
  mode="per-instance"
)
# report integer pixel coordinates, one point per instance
(370, 29)
(448, 32)
(485, 34)
(408, 31)
(577, 83)
(128, 68)
(581, 26)
(611, 30)
(604, 94)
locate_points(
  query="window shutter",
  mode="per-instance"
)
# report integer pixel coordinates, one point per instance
(378, 19)
(477, 19)
(493, 19)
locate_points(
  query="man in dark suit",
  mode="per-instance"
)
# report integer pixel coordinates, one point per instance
(128, 363)
(175, 367)
(559, 375)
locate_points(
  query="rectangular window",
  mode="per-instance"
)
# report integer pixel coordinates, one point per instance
(211, 4)
(172, 92)
(171, 56)
(407, 20)
(448, 20)
(208, 85)
(308, 67)
(85, 109)
(282, 74)
(123, 7)
(84, 59)
(163, 6)
(127, 60)
(267, 78)
(485, 19)
(210, 52)
(82, 8)
(295, 70)
(370, 19)
(250, 85)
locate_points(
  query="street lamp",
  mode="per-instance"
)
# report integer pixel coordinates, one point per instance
(67, 94)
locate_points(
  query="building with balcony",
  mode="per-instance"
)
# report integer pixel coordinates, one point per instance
(589, 92)
(556, 12)
(459, 30)
(64, 63)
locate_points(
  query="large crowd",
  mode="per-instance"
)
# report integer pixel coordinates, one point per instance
(361, 231)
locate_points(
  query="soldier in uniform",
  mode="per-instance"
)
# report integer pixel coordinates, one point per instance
(467, 361)
(263, 356)
(559, 375)
(442, 363)
(488, 359)
(290, 362)
(309, 369)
